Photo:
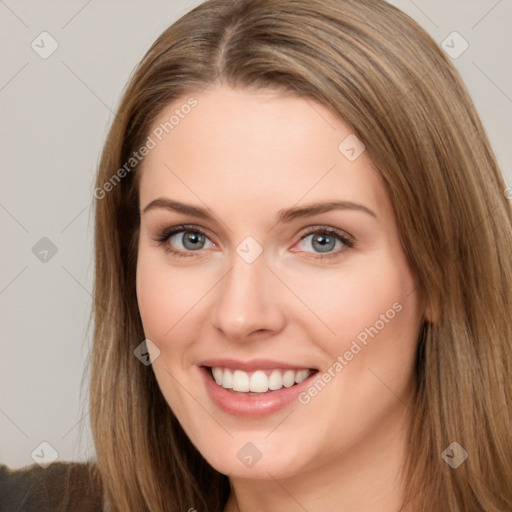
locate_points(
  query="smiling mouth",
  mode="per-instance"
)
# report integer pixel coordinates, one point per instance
(259, 381)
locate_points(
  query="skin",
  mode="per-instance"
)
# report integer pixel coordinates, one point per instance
(246, 154)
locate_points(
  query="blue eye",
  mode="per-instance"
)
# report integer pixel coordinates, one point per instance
(191, 239)
(326, 242)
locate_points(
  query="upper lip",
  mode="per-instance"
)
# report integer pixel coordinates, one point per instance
(253, 364)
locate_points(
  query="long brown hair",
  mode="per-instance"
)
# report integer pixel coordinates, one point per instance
(385, 76)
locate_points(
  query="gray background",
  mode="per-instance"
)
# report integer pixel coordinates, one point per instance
(55, 114)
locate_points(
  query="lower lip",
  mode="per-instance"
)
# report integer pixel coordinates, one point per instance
(251, 405)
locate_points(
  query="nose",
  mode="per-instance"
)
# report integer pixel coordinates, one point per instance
(249, 302)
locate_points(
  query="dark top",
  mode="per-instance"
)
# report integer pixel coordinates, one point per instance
(61, 487)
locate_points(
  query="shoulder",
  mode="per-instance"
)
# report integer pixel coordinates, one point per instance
(61, 487)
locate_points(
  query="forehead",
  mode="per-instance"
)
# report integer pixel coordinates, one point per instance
(240, 146)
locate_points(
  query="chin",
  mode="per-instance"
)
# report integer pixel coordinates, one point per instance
(251, 456)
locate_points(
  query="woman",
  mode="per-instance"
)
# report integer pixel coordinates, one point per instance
(247, 109)
(303, 279)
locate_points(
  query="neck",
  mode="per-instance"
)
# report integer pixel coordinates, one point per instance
(365, 478)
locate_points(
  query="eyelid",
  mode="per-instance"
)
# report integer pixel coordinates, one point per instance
(319, 228)
(347, 239)
(177, 228)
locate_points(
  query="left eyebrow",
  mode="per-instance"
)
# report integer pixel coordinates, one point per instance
(289, 214)
(284, 215)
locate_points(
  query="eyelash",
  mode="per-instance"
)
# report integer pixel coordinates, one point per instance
(164, 235)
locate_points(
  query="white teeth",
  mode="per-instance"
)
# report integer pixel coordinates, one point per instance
(301, 375)
(289, 378)
(259, 381)
(275, 381)
(227, 379)
(217, 375)
(240, 381)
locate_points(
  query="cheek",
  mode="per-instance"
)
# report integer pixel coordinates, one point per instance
(154, 299)
(378, 332)
(166, 296)
(166, 301)
(373, 318)
(374, 292)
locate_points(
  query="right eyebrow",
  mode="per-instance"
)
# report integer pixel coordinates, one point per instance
(169, 204)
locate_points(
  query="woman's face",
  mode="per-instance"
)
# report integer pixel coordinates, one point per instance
(288, 279)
